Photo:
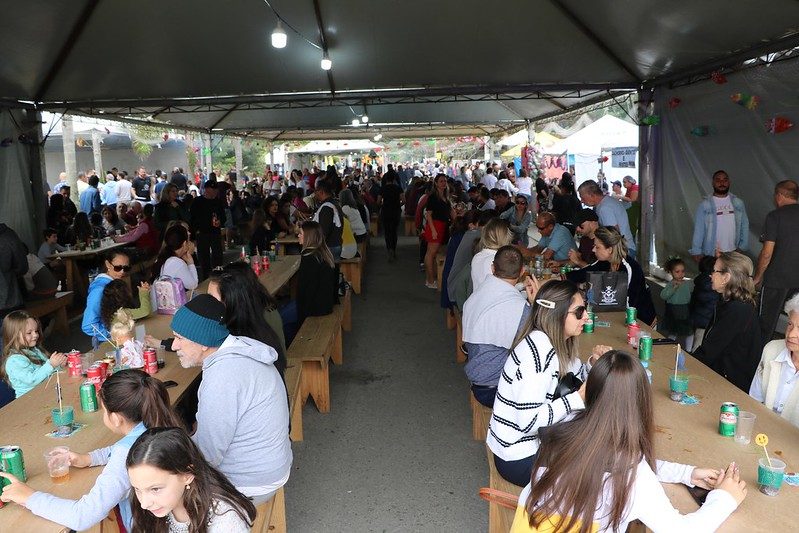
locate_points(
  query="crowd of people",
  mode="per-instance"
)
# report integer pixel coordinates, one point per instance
(519, 332)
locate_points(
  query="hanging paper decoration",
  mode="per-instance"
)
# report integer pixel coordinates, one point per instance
(196, 150)
(166, 137)
(206, 151)
(674, 102)
(700, 131)
(651, 120)
(417, 143)
(749, 101)
(6, 142)
(718, 78)
(778, 125)
(107, 131)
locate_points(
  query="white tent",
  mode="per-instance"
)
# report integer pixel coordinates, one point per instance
(358, 146)
(596, 140)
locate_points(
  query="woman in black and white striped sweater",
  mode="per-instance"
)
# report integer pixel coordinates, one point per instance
(527, 399)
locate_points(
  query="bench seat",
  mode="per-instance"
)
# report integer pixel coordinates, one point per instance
(318, 341)
(271, 517)
(55, 305)
(352, 270)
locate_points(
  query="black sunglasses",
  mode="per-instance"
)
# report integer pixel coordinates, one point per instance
(579, 312)
(120, 268)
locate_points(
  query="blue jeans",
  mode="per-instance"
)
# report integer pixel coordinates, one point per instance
(516, 472)
(288, 313)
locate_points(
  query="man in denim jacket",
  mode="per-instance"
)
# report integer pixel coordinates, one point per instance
(720, 223)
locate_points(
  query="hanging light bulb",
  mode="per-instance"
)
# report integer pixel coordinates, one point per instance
(279, 37)
(364, 118)
(326, 63)
(356, 122)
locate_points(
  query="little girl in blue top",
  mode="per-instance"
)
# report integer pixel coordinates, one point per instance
(131, 402)
(24, 363)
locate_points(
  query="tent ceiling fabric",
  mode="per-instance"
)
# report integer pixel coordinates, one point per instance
(71, 56)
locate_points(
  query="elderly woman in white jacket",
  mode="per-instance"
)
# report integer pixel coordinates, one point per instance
(775, 381)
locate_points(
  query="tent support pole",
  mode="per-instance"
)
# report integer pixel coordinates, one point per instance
(649, 161)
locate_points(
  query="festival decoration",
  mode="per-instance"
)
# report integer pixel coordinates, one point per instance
(651, 120)
(700, 131)
(748, 101)
(80, 142)
(778, 125)
(166, 137)
(674, 102)
(718, 78)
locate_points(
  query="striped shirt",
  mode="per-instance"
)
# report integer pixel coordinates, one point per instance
(524, 398)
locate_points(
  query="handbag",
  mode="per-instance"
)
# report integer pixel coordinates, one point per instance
(566, 385)
(170, 295)
(607, 291)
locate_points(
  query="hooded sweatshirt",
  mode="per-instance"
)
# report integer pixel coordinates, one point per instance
(242, 416)
(91, 316)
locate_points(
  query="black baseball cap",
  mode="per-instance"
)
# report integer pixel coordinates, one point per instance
(584, 215)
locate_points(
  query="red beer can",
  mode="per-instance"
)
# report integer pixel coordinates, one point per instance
(74, 366)
(150, 361)
(95, 374)
(632, 335)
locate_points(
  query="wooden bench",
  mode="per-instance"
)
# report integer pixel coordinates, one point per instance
(410, 225)
(293, 377)
(271, 517)
(318, 341)
(362, 246)
(56, 305)
(460, 357)
(346, 311)
(352, 270)
(500, 518)
(481, 416)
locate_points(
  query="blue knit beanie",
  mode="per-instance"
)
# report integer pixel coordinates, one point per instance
(201, 320)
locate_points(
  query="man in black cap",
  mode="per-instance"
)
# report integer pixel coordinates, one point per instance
(586, 222)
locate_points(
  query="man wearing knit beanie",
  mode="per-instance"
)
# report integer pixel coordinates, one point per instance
(242, 413)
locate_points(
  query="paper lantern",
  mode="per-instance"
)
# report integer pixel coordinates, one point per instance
(778, 125)
(166, 137)
(651, 120)
(674, 102)
(749, 101)
(700, 131)
(718, 78)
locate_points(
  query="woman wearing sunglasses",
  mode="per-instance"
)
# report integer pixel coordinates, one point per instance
(534, 390)
(117, 266)
(519, 219)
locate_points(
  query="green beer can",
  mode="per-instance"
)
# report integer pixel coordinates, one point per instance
(12, 462)
(631, 315)
(88, 397)
(588, 327)
(645, 347)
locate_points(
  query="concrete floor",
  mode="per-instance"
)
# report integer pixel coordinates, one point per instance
(395, 453)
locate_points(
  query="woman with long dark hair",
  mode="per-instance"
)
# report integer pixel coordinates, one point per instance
(168, 208)
(597, 471)
(81, 230)
(111, 221)
(176, 258)
(262, 233)
(544, 350)
(116, 296)
(175, 489)
(250, 310)
(438, 214)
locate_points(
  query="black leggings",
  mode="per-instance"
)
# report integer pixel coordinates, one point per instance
(390, 227)
(516, 472)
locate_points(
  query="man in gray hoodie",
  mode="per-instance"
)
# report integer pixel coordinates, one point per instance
(242, 416)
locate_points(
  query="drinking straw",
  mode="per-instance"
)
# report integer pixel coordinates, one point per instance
(100, 333)
(58, 392)
(762, 440)
(676, 361)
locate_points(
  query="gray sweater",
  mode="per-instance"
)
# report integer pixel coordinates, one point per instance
(242, 416)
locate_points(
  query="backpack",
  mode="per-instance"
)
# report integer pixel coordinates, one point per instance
(170, 295)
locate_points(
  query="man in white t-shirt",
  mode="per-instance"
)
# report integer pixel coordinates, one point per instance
(489, 180)
(720, 223)
(124, 188)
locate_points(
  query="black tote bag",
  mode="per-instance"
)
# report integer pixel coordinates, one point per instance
(608, 291)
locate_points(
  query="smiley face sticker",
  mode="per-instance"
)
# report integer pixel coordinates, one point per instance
(761, 439)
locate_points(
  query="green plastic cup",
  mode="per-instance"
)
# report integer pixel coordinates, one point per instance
(678, 386)
(63, 417)
(769, 478)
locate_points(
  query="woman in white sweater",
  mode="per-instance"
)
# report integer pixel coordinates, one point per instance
(597, 472)
(176, 259)
(545, 350)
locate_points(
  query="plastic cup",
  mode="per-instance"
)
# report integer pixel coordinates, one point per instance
(678, 386)
(744, 427)
(769, 478)
(86, 360)
(57, 460)
(63, 417)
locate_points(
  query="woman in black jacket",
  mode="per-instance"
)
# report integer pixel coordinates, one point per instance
(731, 346)
(317, 292)
(611, 254)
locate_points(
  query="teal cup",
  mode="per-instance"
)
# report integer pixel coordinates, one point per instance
(63, 417)
(678, 386)
(769, 478)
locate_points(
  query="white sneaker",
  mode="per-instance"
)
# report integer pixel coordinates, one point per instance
(433, 285)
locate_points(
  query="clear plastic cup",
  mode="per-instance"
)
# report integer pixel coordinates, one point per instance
(57, 460)
(769, 478)
(744, 427)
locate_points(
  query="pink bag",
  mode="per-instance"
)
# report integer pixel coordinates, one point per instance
(170, 295)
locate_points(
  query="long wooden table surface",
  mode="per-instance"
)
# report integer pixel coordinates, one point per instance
(26, 421)
(689, 433)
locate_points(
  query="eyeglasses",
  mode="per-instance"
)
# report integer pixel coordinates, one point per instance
(578, 312)
(120, 268)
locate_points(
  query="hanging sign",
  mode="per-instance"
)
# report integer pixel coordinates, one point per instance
(623, 157)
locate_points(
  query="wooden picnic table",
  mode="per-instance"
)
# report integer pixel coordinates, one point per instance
(76, 279)
(25, 421)
(284, 242)
(689, 433)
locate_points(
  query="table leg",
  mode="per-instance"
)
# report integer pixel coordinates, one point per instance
(70, 266)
